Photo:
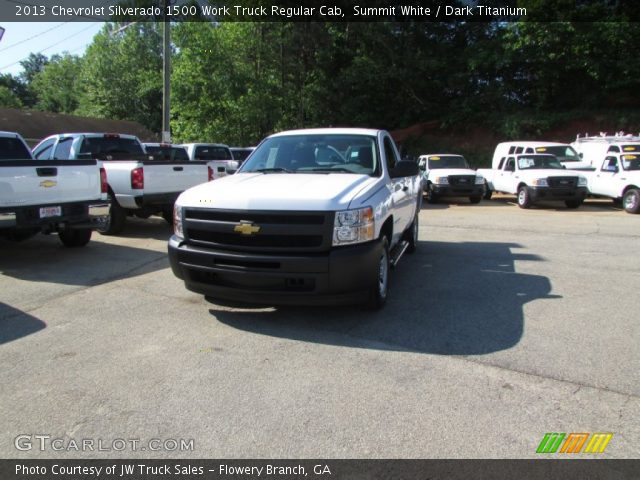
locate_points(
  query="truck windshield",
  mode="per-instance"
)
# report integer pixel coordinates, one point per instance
(168, 153)
(212, 153)
(13, 149)
(530, 162)
(564, 153)
(333, 153)
(447, 161)
(110, 145)
(631, 162)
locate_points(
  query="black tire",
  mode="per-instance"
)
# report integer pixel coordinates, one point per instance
(573, 203)
(631, 201)
(115, 221)
(487, 192)
(168, 217)
(475, 200)
(432, 198)
(411, 233)
(524, 198)
(74, 238)
(380, 288)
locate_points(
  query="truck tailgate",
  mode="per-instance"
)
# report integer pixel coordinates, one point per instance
(43, 182)
(165, 177)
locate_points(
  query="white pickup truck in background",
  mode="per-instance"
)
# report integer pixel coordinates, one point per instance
(618, 177)
(217, 155)
(446, 175)
(312, 217)
(136, 185)
(535, 177)
(49, 196)
(592, 150)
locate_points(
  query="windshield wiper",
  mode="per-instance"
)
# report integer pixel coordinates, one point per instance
(272, 170)
(329, 170)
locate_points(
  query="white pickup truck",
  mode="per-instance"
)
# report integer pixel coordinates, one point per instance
(54, 196)
(446, 175)
(593, 149)
(312, 217)
(535, 177)
(217, 155)
(565, 153)
(618, 177)
(138, 185)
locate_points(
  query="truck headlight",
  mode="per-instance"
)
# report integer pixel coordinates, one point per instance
(353, 226)
(441, 180)
(540, 182)
(479, 180)
(177, 221)
(582, 181)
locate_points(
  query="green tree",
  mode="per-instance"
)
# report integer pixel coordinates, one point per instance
(8, 99)
(56, 87)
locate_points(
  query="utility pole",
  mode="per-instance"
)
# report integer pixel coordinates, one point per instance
(166, 75)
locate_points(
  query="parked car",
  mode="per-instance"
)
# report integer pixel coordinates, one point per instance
(618, 177)
(592, 150)
(448, 175)
(137, 185)
(240, 154)
(217, 155)
(288, 229)
(49, 196)
(166, 151)
(535, 177)
(565, 153)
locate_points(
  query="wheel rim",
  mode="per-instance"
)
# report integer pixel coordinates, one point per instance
(383, 274)
(630, 201)
(522, 195)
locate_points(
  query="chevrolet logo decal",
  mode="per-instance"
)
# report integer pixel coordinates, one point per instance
(246, 228)
(48, 183)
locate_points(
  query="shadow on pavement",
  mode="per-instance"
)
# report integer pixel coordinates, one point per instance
(449, 298)
(15, 324)
(44, 259)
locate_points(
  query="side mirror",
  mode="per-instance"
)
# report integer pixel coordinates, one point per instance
(231, 171)
(404, 168)
(581, 155)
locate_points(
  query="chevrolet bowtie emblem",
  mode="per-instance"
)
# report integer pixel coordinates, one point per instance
(48, 183)
(246, 228)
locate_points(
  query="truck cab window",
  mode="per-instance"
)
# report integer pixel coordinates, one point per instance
(43, 152)
(610, 164)
(63, 149)
(390, 154)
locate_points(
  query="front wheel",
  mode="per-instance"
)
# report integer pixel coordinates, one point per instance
(573, 203)
(524, 198)
(431, 197)
(487, 192)
(74, 238)
(631, 201)
(380, 289)
(475, 200)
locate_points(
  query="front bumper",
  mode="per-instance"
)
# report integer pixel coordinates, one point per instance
(341, 276)
(74, 215)
(548, 193)
(456, 191)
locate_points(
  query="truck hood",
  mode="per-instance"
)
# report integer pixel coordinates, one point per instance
(543, 173)
(278, 191)
(445, 172)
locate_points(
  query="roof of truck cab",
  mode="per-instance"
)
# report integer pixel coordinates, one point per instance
(442, 155)
(370, 132)
(202, 144)
(530, 143)
(5, 134)
(95, 134)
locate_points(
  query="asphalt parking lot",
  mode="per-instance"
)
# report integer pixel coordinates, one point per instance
(505, 325)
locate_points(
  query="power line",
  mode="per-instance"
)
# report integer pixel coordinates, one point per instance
(50, 46)
(32, 37)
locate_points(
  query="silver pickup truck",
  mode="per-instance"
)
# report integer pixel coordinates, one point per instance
(137, 185)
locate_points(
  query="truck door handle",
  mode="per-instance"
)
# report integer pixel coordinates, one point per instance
(177, 169)
(47, 171)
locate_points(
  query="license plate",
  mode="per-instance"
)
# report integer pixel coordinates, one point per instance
(46, 212)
